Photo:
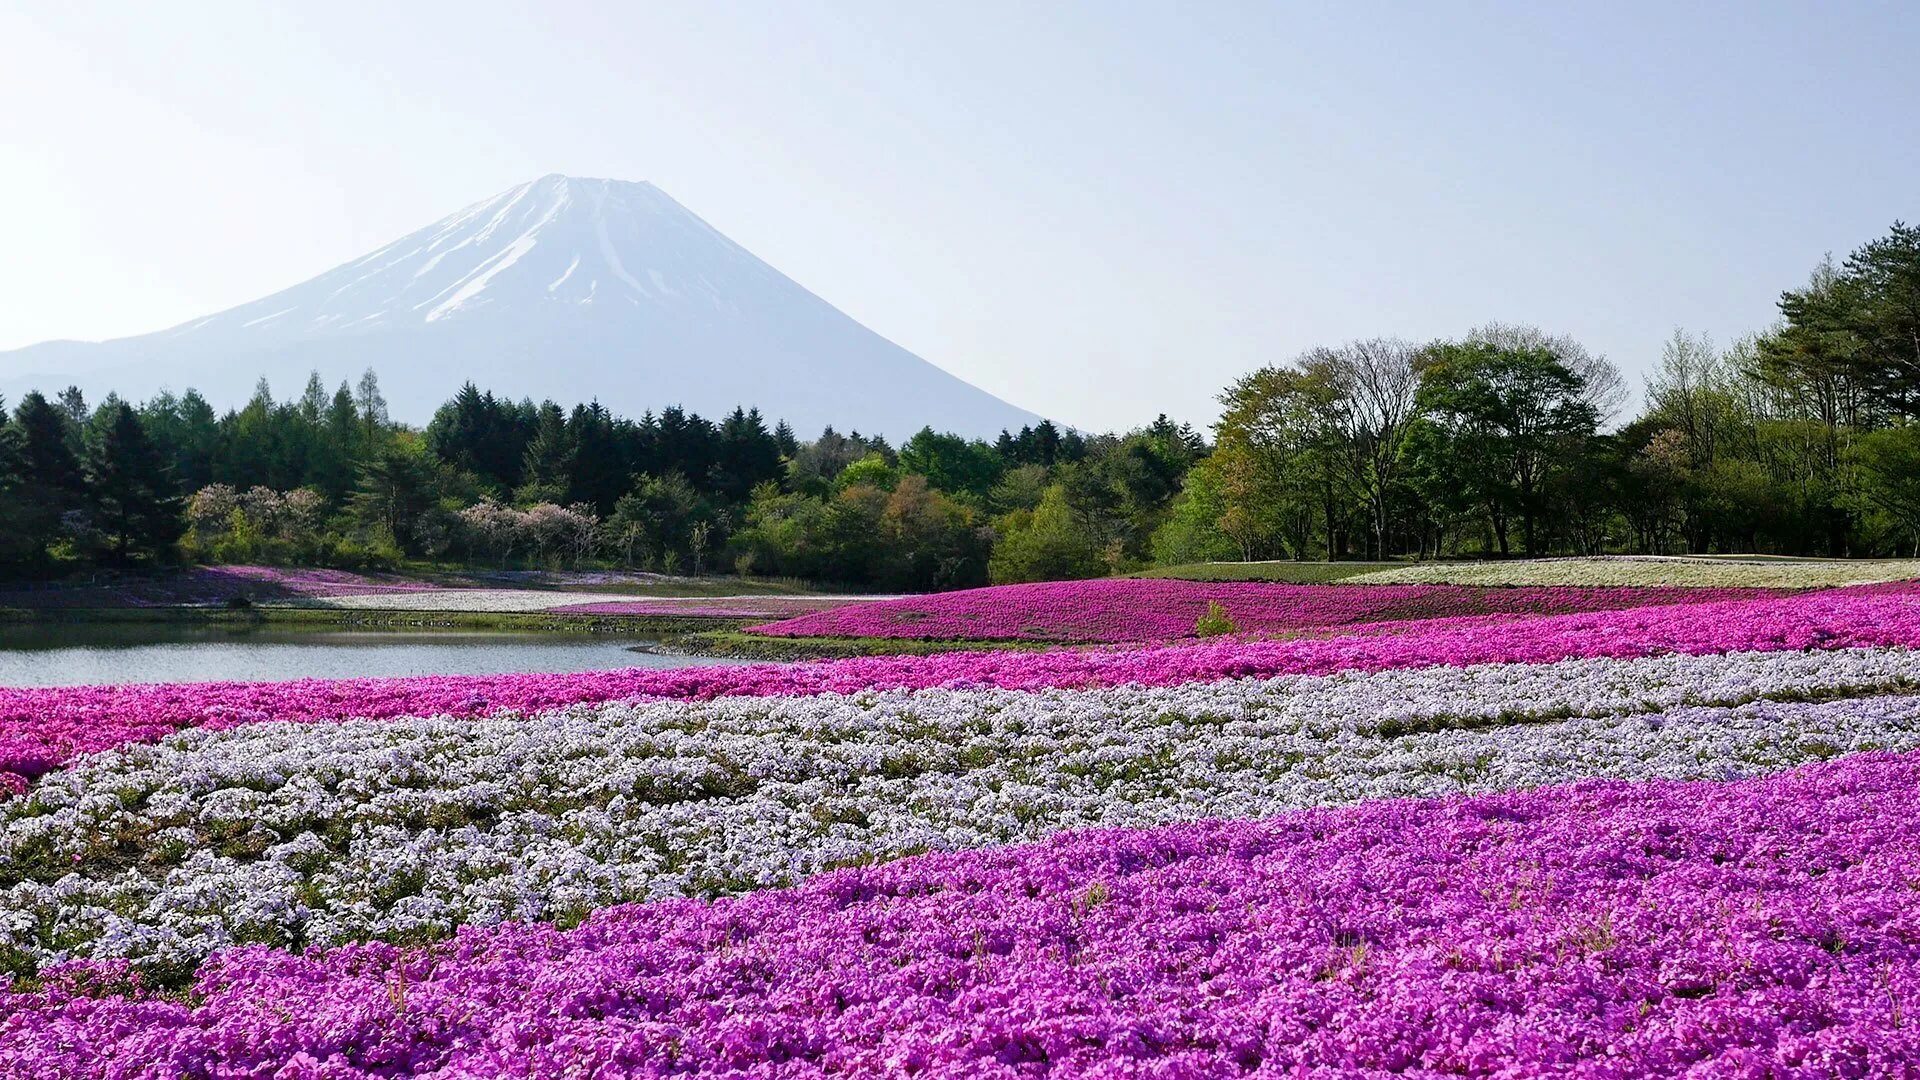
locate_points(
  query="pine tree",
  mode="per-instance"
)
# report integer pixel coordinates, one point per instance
(50, 482)
(749, 455)
(598, 472)
(548, 467)
(396, 489)
(131, 487)
(17, 547)
(47, 457)
(372, 406)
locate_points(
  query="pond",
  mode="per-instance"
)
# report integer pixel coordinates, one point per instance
(83, 653)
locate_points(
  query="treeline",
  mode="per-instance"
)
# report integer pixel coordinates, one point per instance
(329, 479)
(1797, 440)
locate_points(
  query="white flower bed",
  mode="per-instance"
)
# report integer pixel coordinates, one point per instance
(483, 600)
(1647, 571)
(538, 600)
(296, 834)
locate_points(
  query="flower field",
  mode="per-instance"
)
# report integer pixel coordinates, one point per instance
(1144, 609)
(1609, 840)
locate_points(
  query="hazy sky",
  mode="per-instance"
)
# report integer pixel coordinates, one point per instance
(1097, 211)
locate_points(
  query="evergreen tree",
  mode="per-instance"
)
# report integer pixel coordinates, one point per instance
(598, 472)
(548, 467)
(482, 435)
(395, 492)
(749, 455)
(685, 443)
(336, 465)
(18, 546)
(50, 482)
(372, 406)
(130, 485)
(1046, 444)
(73, 404)
(47, 445)
(952, 464)
(187, 431)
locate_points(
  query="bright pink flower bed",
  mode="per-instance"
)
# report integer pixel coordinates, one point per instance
(42, 727)
(1758, 928)
(1137, 609)
(714, 607)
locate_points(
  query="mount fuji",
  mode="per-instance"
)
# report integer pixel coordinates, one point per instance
(559, 288)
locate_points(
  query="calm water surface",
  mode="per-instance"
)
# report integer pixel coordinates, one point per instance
(70, 655)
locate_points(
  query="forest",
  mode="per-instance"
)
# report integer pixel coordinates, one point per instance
(1800, 439)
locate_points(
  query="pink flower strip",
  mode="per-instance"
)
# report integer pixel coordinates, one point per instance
(1145, 609)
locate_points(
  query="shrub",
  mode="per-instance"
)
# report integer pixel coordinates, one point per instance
(1215, 622)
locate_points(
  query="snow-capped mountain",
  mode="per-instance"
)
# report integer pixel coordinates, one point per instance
(559, 288)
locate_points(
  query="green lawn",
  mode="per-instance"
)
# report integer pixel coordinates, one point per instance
(1294, 573)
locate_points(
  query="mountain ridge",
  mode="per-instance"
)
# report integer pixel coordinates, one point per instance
(563, 287)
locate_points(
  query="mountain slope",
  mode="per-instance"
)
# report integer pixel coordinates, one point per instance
(561, 287)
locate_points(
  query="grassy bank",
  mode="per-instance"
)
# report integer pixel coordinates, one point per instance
(732, 642)
(1277, 570)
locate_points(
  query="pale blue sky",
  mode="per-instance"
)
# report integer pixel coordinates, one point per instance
(1097, 211)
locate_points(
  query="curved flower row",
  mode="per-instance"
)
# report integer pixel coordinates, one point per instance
(42, 728)
(1760, 927)
(1160, 609)
(296, 835)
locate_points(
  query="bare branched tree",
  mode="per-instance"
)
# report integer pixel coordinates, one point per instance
(1379, 379)
(1606, 388)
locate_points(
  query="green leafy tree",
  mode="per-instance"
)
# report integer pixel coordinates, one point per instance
(870, 471)
(952, 464)
(657, 519)
(1048, 544)
(1509, 411)
(1890, 460)
(1192, 530)
(931, 540)
(1282, 458)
